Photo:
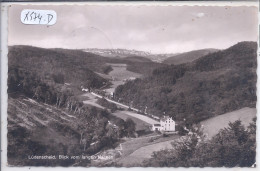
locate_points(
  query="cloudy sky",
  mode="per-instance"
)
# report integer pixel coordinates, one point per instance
(164, 29)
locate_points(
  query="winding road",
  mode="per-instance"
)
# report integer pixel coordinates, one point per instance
(93, 102)
(130, 113)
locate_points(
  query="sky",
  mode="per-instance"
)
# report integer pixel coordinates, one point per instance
(155, 29)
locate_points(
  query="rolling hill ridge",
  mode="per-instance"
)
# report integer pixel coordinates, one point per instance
(188, 56)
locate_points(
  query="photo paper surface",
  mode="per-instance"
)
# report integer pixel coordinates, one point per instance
(132, 85)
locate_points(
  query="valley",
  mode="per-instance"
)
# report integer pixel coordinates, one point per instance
(119, 75)
(88, 104)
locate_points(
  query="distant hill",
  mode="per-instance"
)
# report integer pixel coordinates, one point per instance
(188, 56)
(137, 59)
(121, 53)
(125, 53)
(161, 57)
(214, 84)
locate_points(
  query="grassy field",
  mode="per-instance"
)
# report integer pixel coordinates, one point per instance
(118, 74)
(140, 125)
(135, 151)
(91, 100)
(142, 122)
(213, 125)
(144, 118)
(143, 153)
(104, 76)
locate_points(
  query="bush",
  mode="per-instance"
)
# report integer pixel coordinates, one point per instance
(103, 102)
(181, 130)
(107, 69)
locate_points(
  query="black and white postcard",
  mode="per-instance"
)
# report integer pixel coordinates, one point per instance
(121, 85)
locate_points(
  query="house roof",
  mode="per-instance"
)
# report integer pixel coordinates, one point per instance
(165, 118)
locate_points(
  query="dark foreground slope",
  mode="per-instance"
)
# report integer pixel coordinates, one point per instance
(40, 129)
(217, 83)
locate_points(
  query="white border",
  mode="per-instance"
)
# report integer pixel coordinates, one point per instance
(4, 69)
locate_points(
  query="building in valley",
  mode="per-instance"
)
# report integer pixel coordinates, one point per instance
(167, 124)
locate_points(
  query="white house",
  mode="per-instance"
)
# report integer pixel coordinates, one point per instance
(166, 124)
(84, 89)
(129, 79)
(156, 127)
(112, 94)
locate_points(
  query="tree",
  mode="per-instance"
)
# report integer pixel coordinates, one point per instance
(38, 93)
(58, 78)
(181, 152)
(232, 146)
(130, 127)
(121, 128)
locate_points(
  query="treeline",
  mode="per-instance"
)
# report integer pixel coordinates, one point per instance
(103, 102)
(21, 81)
(217, 83)
(144, 68)
(234, 146)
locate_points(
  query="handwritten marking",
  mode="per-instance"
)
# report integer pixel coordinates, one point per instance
(42, 17)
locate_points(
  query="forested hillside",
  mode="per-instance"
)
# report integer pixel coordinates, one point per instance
(217, 83)
(188, 56)
(36, 128)
(58, 65)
